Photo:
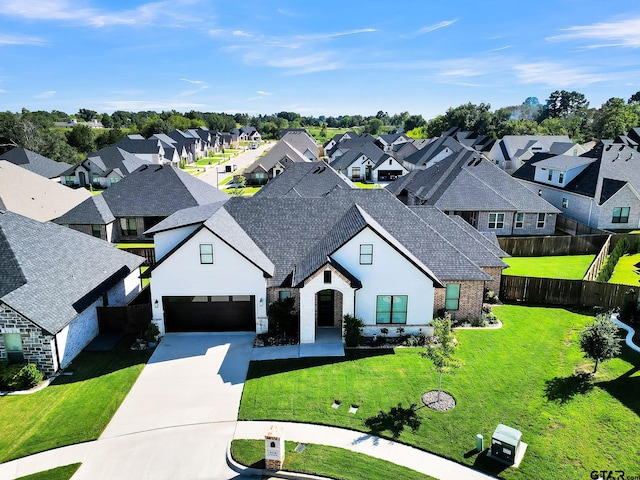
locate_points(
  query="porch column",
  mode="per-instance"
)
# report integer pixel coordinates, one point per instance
(307, 315)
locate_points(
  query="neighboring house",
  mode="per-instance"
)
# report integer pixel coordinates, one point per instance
(391, 140)
(368, 163)
(103, 168)
(123, 212)
(36, 163)
(190, 142)
(435, 150)
(349, 144)
(600, 189)
(631, 139)
(247, 134)
(51, 281)
(512, 150)
(35, 196)
(273, 163)
(468, 185)
(73, 123)
(350, 251)
(174, 153)
(302, 142)
(337, 138)
(150, 150)
(305, 179)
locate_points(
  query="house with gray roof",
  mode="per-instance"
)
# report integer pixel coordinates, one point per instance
(303, 142)
(273, 163)
(467, 184)
(600, 189)
(305, 179)
(389, 141)
(343, 251)
(50, 288)
(512, 150)
(36, 163)
(368, 163)
(123, 212)
(337, 138)
(432, 152)
(150, 149)
(103, 168)
(35, 196)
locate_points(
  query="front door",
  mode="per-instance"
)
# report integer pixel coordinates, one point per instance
(325, 308)
(367, 173)
(82, 179)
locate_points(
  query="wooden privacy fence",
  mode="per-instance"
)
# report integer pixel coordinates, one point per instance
(552, 245)
(554, 291)
(122, 319)
(598, 261)
(573, 227)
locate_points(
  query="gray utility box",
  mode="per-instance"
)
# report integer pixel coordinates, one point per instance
(505, 443)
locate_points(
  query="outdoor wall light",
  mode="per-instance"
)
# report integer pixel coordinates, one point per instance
(155, 304)
(261, 302)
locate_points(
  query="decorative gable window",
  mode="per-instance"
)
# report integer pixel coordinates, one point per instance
(452, 297)
(206, 253)
(620, 215)
(327, 276)
(366, 254)
(391, 309)
(496, 220)
(128, 226)
(519, 220)
(561, 177)
(541, 220)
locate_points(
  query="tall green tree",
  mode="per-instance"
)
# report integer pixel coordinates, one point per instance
(599, 341)
(81, 138)
(373, 126)
(86, 115)
(562, 103)
(441, 351)
(615, 118)
(414, 121)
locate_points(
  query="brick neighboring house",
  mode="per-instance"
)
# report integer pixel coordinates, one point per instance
(468, 185)
(36, 163)
(50, 287)
(123, 212)
(600, 189)
(354, 251)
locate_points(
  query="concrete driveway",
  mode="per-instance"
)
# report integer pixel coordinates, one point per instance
(180, 415)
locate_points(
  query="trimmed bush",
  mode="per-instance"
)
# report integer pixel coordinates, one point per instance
(352, 330)
(19, 377)
(607, 269)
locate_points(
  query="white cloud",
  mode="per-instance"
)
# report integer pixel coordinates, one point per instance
(9, 39)
(47, 94)
(241, 33)
(557, 75)
(434, 27)
(2, 90)
(196, 82)
(76, 11)
(188, 93)
(623, 33)
(262, 92)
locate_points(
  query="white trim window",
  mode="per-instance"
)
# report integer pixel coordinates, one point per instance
(541, 220)
(519, 223)
(366, 254)
(206, 253)
(496, 220)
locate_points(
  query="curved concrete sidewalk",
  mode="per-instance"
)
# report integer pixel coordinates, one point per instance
(410, 457)
(630, 332)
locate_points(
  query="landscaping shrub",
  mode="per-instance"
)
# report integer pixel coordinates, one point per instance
(281, 319)
(352, 330)
(490, 297)
(607, 269)
(19, 376)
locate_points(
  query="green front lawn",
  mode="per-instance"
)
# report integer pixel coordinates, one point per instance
(60, 473)
(245, 192)
(570, 267)
(72, 409)
(325, 461)
(625, 271)
(525, 374)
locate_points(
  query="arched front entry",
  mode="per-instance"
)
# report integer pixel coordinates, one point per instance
(328, 308)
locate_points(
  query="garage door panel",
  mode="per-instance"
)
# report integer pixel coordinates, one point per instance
(209, 313)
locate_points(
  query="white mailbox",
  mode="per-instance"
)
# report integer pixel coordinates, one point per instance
(274, 448)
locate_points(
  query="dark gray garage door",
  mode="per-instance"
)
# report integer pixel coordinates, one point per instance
(220, 313)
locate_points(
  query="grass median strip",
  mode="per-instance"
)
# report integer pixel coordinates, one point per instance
(59, 473)
(324, 461)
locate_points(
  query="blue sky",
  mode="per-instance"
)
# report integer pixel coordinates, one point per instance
(315, 58)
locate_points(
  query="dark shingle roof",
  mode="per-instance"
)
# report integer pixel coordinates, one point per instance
(36, 163)
(62, 270)
(609, 188)
(370, 150)
(307, 179)
(187, 216)
(282, 152)
(115, 158)
(94, 210)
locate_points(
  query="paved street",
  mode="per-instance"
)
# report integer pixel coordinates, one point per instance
(216, 173)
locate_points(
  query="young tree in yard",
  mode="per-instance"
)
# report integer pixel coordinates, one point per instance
(599, 341)
(441, 350)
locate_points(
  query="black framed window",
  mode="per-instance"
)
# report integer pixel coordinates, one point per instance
(366, 254)
(206, 253)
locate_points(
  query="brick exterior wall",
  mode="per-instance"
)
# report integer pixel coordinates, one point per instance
(36, 344)
(496, 273)
(470, 303)
(337, 296)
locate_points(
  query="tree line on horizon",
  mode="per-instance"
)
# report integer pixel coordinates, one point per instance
(563, 113)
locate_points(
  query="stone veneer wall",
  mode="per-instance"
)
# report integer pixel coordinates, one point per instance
(470, 304)
(36, 344)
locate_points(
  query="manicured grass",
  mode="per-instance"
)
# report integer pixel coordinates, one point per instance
(246, 191)
(72, 409)
(364, 185)
(60, 473)
(135, 245)
(324, 461)
(525, 375)
(624, 272)
(571, 267)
